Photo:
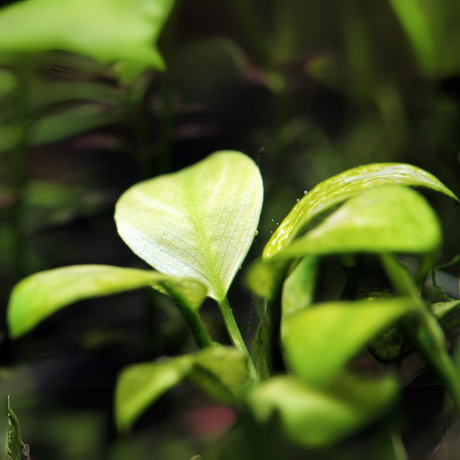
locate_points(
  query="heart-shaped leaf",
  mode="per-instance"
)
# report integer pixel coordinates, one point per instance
(121, 31)
(388, 219)
(318, 417)
(339, 188)
(40, 295)
(197, 223)
(139, 386)
(320, 341)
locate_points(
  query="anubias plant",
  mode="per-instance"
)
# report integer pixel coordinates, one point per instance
(195, 228)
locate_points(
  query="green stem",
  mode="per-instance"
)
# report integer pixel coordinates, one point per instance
(18, 163)
(235, 334)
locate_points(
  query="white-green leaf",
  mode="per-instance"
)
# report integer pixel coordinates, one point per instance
(140, 385)
(40, 295)
(319, 417)
(320, 341)
(197, 223)
(110, 31)
(389, 219)
(337, 189)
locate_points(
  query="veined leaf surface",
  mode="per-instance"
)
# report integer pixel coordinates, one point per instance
(110, 31)
(319, 417)
(40, 295)
(387, 219)
(320, 341)
(339, 188)
(197, 223)
(140, 385)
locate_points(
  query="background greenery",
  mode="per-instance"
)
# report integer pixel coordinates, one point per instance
(306, 88)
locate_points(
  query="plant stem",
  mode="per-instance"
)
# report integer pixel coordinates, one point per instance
(18, 163)
(235, 334)
(194, 322)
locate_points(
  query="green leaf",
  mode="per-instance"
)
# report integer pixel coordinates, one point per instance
(58, 126)
(337, 189)
(319, 417)
(264, 278)
(382, 220)
(109, 31)
(140, 385)
(197, 223)
(320, 341)
(299, 287)
(15, 447)
(40, 295)
(8, 83)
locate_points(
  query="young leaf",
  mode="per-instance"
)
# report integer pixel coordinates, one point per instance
(15, 447)
(122, 31)
(197, 223)
(40, 295)
(382, 220)
(321, 340)
(337, 189)
(319, 417)
(140, 385)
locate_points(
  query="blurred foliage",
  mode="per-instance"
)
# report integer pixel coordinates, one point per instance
(308, 89)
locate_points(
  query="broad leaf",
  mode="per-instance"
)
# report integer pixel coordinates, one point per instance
(382, 220)
(140, 385)
(339, 188)
(320, 341)
(318, 417)
(110, 31)
(40, 295)
(197, 223)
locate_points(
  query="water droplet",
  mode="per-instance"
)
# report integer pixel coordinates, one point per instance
(305, 192)
(271, 231)
(298, 199)
(273, 220)
(277, 223)
(261, 149)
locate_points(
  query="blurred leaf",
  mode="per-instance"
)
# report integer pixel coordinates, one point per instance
(58, 126)
(265, 277)
(8, 83)
(40, 295)
(320, 341)
(444, 310)
(198, 222)
(110, 31)
(140, 385)
(259, 353)
(299, 287)
(337, 189)
(15, 447)
(318, 417)
(381, 220)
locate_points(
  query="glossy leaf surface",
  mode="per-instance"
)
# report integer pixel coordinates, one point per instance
(40, 295)
(197, 223)
(382, 220)
(110, 31)
(319, 417)
(337, 189)
(140, 385)
(320, 341)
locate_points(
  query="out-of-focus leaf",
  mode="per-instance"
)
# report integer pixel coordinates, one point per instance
(318, 417)
(299, 287)
(110, 31)
(320, 341)
(58, 126)
(339, 188)
(140, 385)
(259, 352)
(264, 278)
(40, 295)
(382, 220)
(15, 447)
(8, 83)
(197, 223)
